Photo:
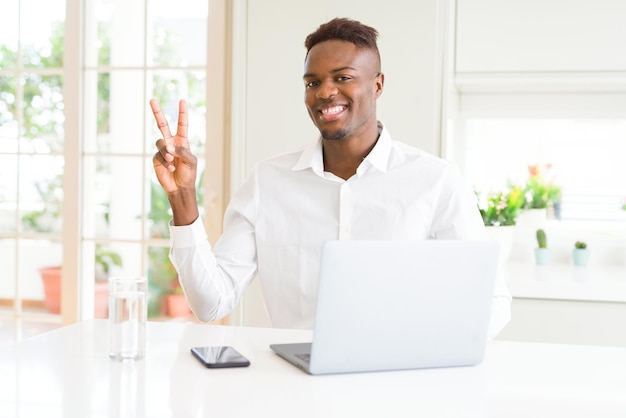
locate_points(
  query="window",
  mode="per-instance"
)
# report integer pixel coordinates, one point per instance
(576, 138)
(132, 51)
(579, 136)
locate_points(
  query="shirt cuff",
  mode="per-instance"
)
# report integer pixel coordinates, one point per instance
(187, 235)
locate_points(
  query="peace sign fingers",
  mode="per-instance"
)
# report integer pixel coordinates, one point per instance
(160, 119)
(183, 122)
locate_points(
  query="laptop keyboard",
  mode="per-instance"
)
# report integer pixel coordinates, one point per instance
(306, 357)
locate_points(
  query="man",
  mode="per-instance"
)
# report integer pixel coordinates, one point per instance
(354, 182)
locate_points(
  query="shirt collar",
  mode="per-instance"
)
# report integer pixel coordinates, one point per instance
(312, 156)
(379, 155)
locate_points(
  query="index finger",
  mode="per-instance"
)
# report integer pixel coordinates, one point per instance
(160, 119)
(182, 119)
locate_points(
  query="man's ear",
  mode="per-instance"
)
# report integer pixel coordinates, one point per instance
(380, 82)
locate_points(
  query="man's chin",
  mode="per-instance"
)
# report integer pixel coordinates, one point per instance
(335, 135)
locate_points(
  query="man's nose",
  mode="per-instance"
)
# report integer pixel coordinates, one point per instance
(326, 90)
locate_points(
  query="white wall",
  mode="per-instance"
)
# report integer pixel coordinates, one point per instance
(269, 57)
(276, 118)
(541, 36)
(540, 46)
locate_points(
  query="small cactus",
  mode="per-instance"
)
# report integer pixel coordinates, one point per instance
(580, 245)
(542, 240)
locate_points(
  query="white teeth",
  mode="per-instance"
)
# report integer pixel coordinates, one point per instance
(332, 110)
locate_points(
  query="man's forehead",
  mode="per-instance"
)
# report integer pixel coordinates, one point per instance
(336, 56)
(332, 48)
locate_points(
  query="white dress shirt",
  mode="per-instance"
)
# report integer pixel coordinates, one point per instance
(288, 207)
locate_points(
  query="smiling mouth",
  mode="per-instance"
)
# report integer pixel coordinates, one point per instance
(332, 112)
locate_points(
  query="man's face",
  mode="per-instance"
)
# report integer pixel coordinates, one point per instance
(342, 83)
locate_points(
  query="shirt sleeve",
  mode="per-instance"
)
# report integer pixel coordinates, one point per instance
(457, 216)
(214, 279)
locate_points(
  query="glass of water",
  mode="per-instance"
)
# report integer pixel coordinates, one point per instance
(127, 317)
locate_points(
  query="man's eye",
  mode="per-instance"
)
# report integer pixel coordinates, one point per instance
(310, 84)
(344, 78)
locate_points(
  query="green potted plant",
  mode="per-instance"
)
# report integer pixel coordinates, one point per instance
(501, 208)
(542, 252)
(499, 212)
(105, 259)
(580, 253)
(540, 193)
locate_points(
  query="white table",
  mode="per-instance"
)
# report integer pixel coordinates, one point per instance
(67, 373)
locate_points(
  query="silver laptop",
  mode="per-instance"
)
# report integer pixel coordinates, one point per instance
(392, 305)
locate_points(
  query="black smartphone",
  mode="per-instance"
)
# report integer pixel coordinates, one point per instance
(219, 357)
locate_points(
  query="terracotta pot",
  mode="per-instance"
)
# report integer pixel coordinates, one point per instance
(177, 306)
(51, 277)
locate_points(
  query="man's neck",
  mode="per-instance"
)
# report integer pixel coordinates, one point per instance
(343, 157)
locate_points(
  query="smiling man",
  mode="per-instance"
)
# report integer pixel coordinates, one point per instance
(353, 182)
(342, 82)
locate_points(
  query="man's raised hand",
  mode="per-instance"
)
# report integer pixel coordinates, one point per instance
(174, 164)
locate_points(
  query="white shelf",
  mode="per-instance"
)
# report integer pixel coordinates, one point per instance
(567, 282)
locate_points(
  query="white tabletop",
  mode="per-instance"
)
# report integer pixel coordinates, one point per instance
(67, 373)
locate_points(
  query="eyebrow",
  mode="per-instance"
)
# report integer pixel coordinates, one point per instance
(336, 70)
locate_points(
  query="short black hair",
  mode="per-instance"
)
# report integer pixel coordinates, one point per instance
(343, 29)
